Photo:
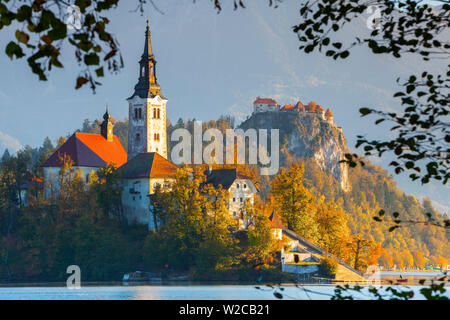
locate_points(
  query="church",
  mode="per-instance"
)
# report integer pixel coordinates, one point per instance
(145, 166)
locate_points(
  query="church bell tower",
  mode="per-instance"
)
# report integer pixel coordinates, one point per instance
(147, 108)
(106, 128)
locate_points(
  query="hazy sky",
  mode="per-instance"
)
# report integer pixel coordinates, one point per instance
(209, 64)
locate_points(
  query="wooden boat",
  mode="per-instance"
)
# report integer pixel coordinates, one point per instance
(141, 276)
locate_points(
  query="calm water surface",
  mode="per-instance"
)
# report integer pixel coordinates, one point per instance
(169, 292)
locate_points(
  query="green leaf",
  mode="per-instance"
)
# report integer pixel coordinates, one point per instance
(365, 111)
(23, 13)
(13, 49)
(393, 228)
(91, 59)
(99, 72)
(345, 54)
(278, 295)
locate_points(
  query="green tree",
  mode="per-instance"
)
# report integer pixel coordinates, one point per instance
(108, 188)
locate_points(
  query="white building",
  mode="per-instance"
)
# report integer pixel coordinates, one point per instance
(240, 187)
(87, 152)
(265, 105)
(140, 177)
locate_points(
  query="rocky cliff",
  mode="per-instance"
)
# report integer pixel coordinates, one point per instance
(307, 135)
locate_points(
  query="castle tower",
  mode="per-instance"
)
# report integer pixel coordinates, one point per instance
(147, 108)
(106, 128)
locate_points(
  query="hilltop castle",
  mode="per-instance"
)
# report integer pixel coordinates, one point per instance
(312, 108)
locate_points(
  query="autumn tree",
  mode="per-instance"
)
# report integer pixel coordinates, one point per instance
(419, 259)
(408, 259)
(195, 229)
(386, 260)
(262, 245)
(332, 228)
(294, 202)
(360, 250)
(70, 189)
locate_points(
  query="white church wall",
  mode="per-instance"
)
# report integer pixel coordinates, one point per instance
(51, 184)
(135, 200)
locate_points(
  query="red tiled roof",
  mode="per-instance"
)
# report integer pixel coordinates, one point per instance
(265, 101)
(148, 165)
(328, 113)
(319, 108)
(288, 107)
(300, 105)
(89, 150)
(108, 151)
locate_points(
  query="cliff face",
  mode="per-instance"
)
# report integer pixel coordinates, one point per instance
(307, 135)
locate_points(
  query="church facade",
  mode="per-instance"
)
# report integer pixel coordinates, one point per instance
(148, 165)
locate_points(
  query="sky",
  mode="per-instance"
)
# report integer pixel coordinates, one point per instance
(209, 65)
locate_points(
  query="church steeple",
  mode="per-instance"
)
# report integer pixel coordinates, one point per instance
(147, 108)
(106, 128)
(147, 86)
(148, 43)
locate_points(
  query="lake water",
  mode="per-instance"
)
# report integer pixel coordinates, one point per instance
(171, 292)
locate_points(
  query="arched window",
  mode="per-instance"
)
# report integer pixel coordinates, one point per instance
(140, 113)
(138, 137)
(136, 113)
(158, 113)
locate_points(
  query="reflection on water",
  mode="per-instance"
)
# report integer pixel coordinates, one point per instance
(183, 292)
